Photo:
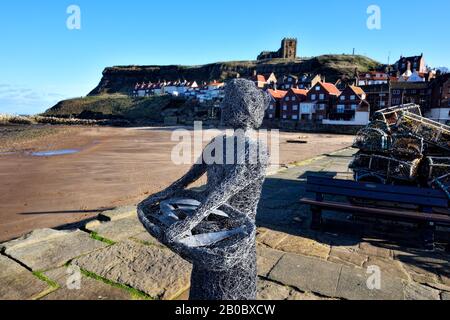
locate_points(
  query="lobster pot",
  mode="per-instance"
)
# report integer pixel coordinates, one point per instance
(390, 116)
(431, 131)
(387, 167)
(407, 146)
(372, 140)
(436, 167)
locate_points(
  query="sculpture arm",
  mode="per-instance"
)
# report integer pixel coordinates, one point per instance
(237, 180)
(194, 173)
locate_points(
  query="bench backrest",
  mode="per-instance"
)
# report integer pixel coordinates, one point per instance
(418, 196)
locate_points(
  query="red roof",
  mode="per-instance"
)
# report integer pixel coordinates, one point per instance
(277, 94)
(331, 88)
(357, 90)
(302, 92)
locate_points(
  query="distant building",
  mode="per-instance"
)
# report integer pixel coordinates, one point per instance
(290, 106)
(352, 108)
(377, 95)
(288, 50)
(372, 78)
(415, 63)
(308, 81)
(410, 92)
(288, 82)
(440, 99)
(320, 100)
(276, 100)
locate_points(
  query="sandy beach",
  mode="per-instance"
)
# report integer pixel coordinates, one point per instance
(106, 167)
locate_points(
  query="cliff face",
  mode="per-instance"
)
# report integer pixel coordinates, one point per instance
(121, 79)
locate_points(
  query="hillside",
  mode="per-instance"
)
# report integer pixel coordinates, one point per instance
(121, 79)
(114, 106)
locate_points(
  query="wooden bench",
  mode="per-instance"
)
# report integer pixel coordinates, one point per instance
(426, 200)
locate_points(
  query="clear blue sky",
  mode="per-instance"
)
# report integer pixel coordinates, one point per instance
(42, 61)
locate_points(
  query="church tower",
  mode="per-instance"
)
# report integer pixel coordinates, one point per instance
(289, 48)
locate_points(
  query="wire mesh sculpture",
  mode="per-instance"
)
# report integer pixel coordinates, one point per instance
(215, 228)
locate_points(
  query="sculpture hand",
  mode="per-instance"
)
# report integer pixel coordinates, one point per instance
(153, 200)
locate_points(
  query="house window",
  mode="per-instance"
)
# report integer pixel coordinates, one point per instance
(294, 107)
(322, 106)
(342, 98)
(286, 99)
(313, 97)
(317, 88)
(285, 107)
(284, 116)
(382, 103)
(340, 108)
(271, 107)
(321, 96)
(354, 106)
(293, 99)
(352, 97)
(295, 117)
(382, 94)
(270, 116)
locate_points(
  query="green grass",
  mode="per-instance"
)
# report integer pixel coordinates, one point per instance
(111, 106)
(44, 278)
(95, 236)
(135, 294)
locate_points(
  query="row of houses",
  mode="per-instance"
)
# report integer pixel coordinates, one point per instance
(310, 98)
(191, 90)
(323, 103)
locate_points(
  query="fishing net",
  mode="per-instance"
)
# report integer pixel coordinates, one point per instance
(407, 146)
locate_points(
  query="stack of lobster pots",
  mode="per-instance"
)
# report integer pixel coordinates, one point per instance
(401, 147)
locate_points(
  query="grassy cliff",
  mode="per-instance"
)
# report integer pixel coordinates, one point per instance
(121, 79)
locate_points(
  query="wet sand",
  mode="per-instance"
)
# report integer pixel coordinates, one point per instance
(115, 166)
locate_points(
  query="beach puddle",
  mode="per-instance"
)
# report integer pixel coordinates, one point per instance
(53, 153)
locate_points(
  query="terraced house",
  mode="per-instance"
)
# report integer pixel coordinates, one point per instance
(351, 108)
(291, 104)
(276, 100)
(319, 101)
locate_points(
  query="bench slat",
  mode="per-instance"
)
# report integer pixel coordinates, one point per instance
(375, 195)
(406, 190)
(411, 215)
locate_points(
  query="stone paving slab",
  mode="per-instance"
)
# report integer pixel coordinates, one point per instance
(352, 285)
(268, 290)
(89, 289)
(47, 249)
(119, 213)
(267, 258)
(117, 230)
(307, 274)
(18, 283)
(151, 269)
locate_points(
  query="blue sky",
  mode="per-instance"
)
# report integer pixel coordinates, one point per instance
(42, 61)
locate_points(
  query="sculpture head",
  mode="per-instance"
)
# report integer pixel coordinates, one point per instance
(244, 105)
